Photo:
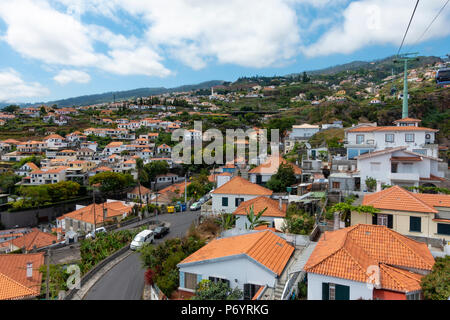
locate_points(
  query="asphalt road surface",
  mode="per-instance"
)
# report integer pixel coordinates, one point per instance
(125, 281)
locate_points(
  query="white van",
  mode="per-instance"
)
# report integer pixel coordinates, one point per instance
(146, 236)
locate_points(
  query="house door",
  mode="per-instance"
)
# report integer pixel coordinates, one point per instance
(258, 179)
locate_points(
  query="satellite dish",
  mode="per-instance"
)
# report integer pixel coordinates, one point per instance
(307, 145)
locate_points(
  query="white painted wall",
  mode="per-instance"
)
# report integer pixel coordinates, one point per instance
(399, 140)
(357, 289)
(240, 268)
(217, 202)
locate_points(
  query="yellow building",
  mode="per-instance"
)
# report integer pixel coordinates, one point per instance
(411, 214)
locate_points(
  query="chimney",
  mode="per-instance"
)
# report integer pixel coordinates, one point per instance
(29, 270)
(105, 213)
(281, 204)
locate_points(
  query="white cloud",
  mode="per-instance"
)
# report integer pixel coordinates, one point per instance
(38, 31)
(251, 33)
(140, 61)
(378, 22)
(13, 87)
(67, 76)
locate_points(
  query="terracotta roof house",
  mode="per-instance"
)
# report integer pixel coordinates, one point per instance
(141, 191)
(248, 262)
(33, 240)
(230, 195)
(19, 276)
(367, 262)
(262, 173)
(365, 138)
(418, 215)
(95, 215)
(274, 210)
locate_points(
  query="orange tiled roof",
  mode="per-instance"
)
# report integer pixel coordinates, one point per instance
(32, 166)
(14, 283)
(12, 290)
(174, 187)
(408, 120)
(239, 185)
(35, 238)
(397, 198)
(347, 254)
(271, 166)
(259, 203)
(265, 247)
(144, 190)
(86, 214)
(391, 128)
(396, 279)
(54, 136)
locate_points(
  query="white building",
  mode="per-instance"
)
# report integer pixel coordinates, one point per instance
(237, 262)
(55, 141)
(50, 176)
(353, 264)
(228, 197)
(363, 139)
(304, 131)
(398, 166)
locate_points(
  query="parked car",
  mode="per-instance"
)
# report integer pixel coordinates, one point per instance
(92, 234)
(195, 206)
(143, 237)
(161, 231)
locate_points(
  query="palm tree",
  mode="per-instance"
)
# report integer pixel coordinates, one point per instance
(255, 220)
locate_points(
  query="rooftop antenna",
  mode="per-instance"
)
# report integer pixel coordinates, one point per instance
(405, 57)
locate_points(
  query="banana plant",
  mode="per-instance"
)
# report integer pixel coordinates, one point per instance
(255, 220)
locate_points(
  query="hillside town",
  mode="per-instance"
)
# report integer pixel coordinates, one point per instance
(373, 196)
(224, 159)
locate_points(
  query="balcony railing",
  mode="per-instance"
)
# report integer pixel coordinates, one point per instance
(405, 176)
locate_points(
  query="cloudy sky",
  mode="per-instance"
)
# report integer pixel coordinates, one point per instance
(53, 49)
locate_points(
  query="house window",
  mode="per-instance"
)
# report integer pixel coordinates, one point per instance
(382, 220)
(420, 151)
(413, 296)
(224, 202)
(360, 139)
(415, 224)
(443, 229)
(389, 137)
(336, 185)
(332, 292)
(238, 201)
(409, 137)
(394, 167)
(190, 281)
(217, 280)
(250, 290)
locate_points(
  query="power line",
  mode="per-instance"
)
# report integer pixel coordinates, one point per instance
(429, 26)
(407, 29)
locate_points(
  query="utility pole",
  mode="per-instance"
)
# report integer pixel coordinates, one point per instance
(95, 217)
(405, 58)
(47, 278)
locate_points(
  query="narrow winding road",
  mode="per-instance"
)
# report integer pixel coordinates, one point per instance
(125, 281)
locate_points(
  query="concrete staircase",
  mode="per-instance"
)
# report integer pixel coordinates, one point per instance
(284, 276)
